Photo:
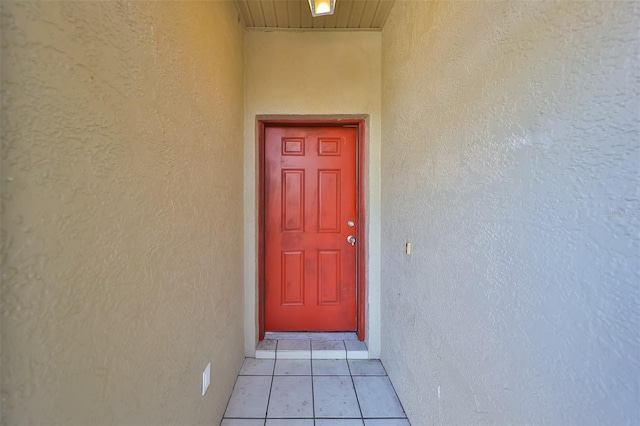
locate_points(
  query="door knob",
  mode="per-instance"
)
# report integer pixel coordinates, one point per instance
(351, 240)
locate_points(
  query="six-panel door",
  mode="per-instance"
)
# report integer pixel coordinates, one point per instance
(310, 211)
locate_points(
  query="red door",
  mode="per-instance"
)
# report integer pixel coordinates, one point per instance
(310, 212)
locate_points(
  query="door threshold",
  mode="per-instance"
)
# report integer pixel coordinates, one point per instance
(309, 335)
(311, 346)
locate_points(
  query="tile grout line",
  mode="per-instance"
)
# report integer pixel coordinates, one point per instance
(273, 373)
(313, 399)
(355, 391)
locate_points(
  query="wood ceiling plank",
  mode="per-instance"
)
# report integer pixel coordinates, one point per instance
(350, 14)
(282, 13)
(269, 10)
(356, 14)
(343, 11)
(381, 14)
(319, 22)
(305, 15)
(245, 14)
(368, 13)
(293, 11)
(255, 7)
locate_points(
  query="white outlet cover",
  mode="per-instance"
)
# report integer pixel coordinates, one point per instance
(206, 378)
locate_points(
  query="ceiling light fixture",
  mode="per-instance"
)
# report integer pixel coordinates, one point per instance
(322, 7)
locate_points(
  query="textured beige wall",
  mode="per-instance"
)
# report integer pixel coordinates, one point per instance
(308, 73)
(121, 192)
(510, 159)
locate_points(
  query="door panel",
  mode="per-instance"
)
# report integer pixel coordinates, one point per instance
(310, 195)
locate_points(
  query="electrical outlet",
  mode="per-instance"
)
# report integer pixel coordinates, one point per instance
(206, 378)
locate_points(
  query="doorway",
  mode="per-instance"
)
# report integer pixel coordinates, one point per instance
(311, 226)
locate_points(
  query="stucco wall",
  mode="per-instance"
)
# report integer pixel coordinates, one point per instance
(304, 73)
(121, 193)
(510, 158)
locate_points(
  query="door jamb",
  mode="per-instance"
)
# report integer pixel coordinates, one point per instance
(360, 190)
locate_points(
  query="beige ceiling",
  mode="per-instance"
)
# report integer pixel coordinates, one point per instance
(295, 14)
